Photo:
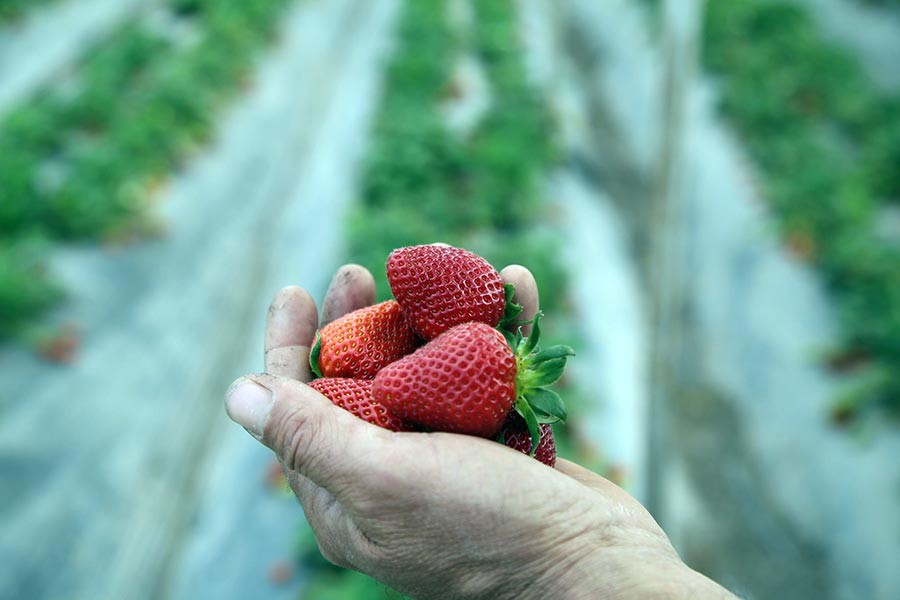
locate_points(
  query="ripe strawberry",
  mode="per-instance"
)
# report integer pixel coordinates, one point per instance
(467, 379)
(355, 396)
(441, 286)
(463, 381)
(515, 434)
(360, 343)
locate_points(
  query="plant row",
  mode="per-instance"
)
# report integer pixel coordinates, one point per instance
(891, 3)
(81, 160)
(10, 10)
(424, 183)
(827, 143)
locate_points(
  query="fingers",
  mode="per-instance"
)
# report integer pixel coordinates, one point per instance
(334, 449)
(526, 292)
(293, 319)
(290, 329)
(352, 288)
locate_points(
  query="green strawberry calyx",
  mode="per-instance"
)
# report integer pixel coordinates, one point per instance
(537, 368)
(314, 353)
(511, 310)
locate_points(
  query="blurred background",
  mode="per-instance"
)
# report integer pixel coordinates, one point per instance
(707, 192)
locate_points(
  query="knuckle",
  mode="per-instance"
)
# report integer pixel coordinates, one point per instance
(293, 433)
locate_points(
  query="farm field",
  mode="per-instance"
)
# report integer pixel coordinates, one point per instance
(713, 228)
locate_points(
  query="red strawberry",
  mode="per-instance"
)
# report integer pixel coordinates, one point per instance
(463, 381)
(515, 434)
(355, 396)
(360, 343)
(467, 379)
(441, 286)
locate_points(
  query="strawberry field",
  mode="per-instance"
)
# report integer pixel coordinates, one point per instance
(828, 145)
(707, 194)
(144, 100)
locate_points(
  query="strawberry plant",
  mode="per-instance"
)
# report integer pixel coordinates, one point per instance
(24, 289)
(891, 3)
(827, 144)
(141, 103)
(12, 10)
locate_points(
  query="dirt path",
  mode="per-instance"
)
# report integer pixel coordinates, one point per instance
(122, 477)
(48, 40)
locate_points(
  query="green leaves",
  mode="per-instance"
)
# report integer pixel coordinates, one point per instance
(508, 322)
(536, 369)
(828, 147)
(534, 427)
(143, 103)
(11, 10)
(24, 288)
(547, 405)
(559, 351)
(512, 310)
(532, 340)
(314, 354)
(547, 372)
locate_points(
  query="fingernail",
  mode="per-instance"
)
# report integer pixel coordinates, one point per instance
(248, 404)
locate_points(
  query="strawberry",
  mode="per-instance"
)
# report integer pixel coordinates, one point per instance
(355, 396)
(515, 435)
(360, 343)
(468, 379)
(463, 381)
(442, 286)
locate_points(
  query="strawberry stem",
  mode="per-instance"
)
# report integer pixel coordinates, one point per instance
(534, 428)
(535, 369)
(511, 310)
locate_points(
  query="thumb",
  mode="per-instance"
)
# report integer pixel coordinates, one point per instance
(309, 434)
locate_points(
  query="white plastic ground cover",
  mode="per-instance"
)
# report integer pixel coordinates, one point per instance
(611, 365)
(122, 476)
(52, 37)
(610, 368)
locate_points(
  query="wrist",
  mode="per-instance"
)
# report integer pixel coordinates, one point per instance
(658, 577)
(639, 572)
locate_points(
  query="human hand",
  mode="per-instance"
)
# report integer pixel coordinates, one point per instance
(438, 515)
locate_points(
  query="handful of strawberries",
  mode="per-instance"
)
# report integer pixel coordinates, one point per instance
(443, 357)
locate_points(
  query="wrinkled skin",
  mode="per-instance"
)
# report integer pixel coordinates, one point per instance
(440, 515)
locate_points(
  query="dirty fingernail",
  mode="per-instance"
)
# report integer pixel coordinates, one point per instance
(248, 404)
